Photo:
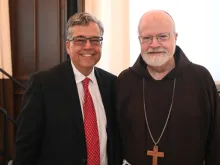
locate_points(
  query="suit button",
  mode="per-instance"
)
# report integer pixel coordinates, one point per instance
(84, 161)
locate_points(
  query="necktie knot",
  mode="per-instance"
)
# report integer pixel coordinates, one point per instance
(86, 83)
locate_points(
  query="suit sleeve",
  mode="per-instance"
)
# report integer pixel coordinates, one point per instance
(213, 143)
(117, 133)
(29, 125)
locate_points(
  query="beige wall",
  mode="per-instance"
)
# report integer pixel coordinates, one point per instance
(5, 47)
(114, 14)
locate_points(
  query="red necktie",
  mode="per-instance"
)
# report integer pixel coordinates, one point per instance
(90, 126)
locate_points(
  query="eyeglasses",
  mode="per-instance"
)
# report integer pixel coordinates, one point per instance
(160, 38)
(81, 40)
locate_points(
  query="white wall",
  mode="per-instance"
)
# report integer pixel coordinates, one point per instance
(197, 25)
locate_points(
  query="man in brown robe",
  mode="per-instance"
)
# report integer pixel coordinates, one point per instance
(168, 108)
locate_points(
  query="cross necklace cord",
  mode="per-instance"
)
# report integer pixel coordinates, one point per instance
(155, 152)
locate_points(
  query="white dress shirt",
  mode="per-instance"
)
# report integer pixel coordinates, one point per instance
(99, 109)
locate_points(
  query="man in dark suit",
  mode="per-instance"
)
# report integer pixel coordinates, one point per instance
(67, 115)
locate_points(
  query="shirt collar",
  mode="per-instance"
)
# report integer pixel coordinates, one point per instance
(79, 77)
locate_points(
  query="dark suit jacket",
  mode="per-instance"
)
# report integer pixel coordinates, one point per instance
(50, 126)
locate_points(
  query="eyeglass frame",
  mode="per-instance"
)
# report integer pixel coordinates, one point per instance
(156, 36)
(87, 38)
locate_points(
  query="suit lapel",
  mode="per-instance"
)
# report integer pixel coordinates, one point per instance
(72, 93)
(102, 88)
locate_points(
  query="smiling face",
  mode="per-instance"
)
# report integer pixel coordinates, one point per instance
(84, 57)
(157, 24)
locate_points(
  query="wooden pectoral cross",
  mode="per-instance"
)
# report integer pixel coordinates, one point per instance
(155, 155)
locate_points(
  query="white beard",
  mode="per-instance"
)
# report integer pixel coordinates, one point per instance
(156, 60)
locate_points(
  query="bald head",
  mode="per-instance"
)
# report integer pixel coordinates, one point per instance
(157, 38)
(156, 20)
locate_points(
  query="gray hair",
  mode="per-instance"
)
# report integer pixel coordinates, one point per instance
(82, 18)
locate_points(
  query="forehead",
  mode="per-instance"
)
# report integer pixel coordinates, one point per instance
(92, 29)
(155, 24)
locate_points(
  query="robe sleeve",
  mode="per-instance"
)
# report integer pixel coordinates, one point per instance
(212, 155)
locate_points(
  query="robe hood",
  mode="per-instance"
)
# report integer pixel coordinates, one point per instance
(181, 63)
